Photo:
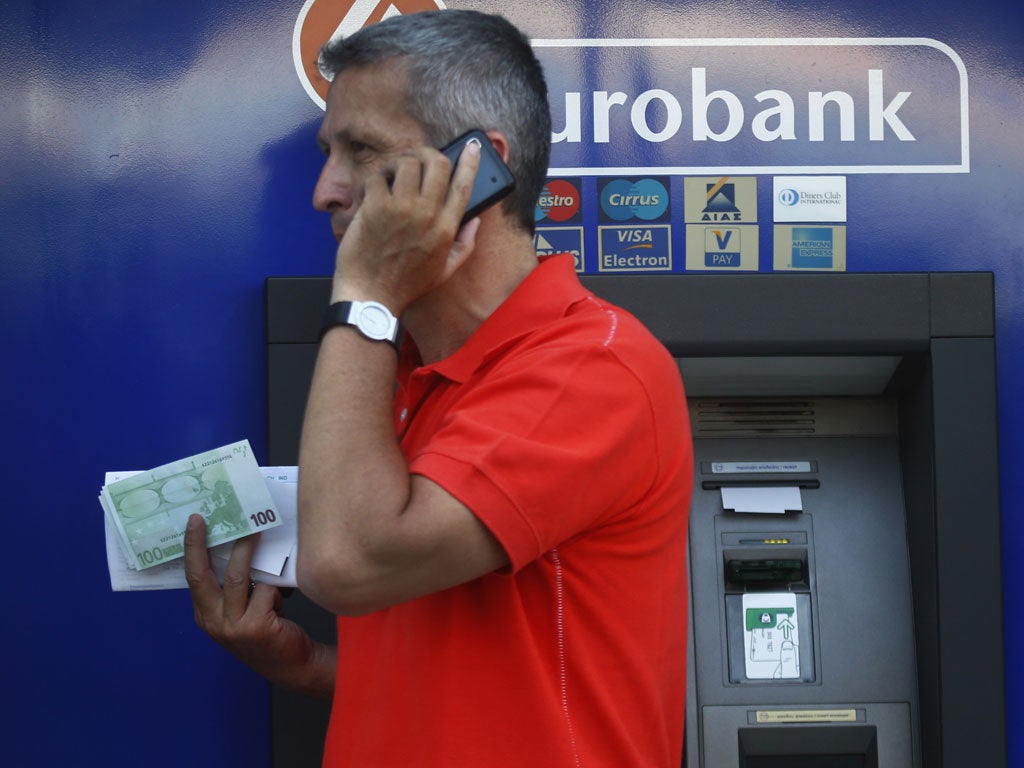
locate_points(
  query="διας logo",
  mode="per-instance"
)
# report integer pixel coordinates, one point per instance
(721, 198)
(559, 201)
(323, 20)
(626, 199)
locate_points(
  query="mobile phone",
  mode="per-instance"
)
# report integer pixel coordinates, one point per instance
(494, 180)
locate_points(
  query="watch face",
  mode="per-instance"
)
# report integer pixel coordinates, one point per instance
(375, 321)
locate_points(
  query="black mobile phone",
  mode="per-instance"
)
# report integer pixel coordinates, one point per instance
(494, 180)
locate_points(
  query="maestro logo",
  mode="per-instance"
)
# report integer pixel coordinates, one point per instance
(323, 20)
(625, 199)
(559, 201)
(789, 196)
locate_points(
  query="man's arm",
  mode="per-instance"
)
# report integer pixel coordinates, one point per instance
(371, 535)
(250, 626)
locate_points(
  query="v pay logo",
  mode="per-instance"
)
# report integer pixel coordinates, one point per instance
(323, 20)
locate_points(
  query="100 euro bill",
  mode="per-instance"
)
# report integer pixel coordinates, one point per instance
(149, 510)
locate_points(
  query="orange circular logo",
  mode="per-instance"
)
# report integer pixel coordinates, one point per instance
(323, 20)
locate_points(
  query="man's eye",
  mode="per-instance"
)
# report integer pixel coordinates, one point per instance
(360, 150)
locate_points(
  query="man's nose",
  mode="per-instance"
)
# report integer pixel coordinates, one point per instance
(333, 190)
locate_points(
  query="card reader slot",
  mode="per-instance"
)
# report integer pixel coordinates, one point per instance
(753, 569)
(765, 572)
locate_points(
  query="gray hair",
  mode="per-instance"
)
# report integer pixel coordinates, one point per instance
(465, 69)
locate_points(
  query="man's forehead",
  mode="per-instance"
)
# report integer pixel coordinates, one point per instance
(379, 85)
(367, 102)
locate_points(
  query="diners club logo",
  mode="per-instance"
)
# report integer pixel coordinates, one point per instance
(323, 20)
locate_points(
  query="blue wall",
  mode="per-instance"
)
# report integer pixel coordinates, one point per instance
(157, 162)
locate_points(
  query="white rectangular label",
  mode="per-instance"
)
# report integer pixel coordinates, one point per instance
(809, 198)
(760, 467)
(771, 636)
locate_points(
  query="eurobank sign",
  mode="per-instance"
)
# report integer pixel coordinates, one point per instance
(756, 105)
(725, 106)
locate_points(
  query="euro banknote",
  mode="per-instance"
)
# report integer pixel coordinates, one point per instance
(149, 510)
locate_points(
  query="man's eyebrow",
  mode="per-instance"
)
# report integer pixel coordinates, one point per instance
(323, 139)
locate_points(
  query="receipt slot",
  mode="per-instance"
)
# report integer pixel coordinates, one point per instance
(845, 559)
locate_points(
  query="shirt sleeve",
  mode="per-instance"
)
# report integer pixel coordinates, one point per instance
(547, 445)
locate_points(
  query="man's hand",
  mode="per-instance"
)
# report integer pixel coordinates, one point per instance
(248, 623)
(405, 238)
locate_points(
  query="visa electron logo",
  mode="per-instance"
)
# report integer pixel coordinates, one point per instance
(323, 20)
(645, 199)
(558, 201)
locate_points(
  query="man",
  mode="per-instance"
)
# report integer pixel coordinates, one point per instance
(503, 534)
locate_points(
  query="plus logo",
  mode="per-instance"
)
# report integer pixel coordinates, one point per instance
(323, 20)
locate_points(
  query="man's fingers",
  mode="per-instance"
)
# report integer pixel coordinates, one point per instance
(461, 185)
(236, 576)
(200, 577)
(266, 598)
(408, 175)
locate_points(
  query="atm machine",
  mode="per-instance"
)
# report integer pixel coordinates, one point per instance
(845, 557)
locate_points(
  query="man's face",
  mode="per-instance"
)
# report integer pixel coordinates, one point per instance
(365, 128)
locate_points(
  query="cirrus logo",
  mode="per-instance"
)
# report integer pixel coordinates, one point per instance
(789, 197)
(644, 199)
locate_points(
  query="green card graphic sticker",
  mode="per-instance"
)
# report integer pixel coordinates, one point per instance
(771, 636)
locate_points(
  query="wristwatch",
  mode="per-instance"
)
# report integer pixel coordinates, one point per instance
(371, 318)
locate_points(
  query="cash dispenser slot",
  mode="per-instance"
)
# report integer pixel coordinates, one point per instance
(852, 746)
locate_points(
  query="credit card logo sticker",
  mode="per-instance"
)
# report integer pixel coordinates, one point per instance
(635, 249)
(809, 247)
(323, 20)
(559, 202)
(810, 199)
(813, 248)
(722, 247)
(632, 200)
(549, 241)
(725, 199)
(721, 205)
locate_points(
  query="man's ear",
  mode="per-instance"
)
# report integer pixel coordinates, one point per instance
(500, 142)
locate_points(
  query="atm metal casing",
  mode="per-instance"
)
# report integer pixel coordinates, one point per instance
(892, 378)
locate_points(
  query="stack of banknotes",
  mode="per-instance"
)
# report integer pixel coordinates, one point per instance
(146, 513)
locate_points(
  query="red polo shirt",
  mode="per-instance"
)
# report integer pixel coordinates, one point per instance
(561, 423)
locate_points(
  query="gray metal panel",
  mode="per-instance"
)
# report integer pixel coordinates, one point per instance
(295, 308)
(860, 571)
(698, 315)
(289, 374)
(962, 304)
(862, 622)
(776, 314)
(969, 560)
